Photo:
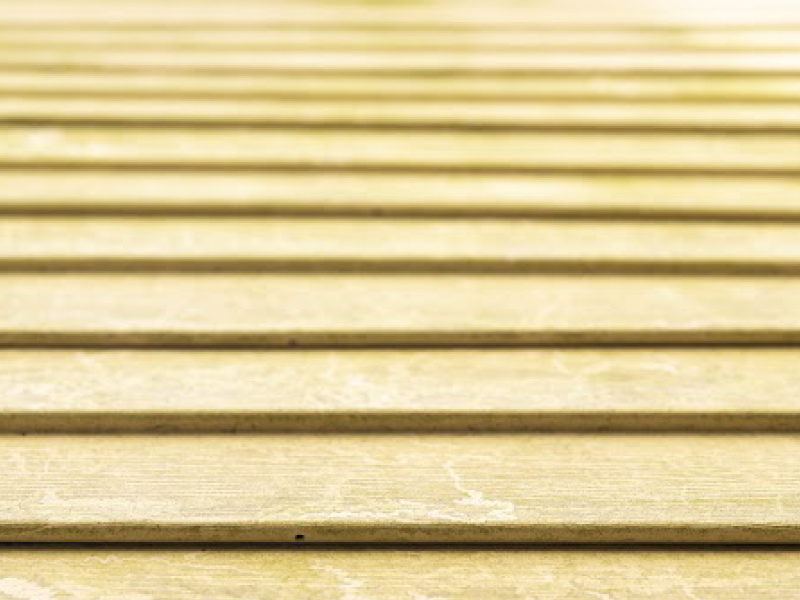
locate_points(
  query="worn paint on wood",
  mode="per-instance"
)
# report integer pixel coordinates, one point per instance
(395, 390)
(347, 310)
(401, 488)
(97, 573)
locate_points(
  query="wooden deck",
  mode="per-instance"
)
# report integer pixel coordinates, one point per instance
(366, 300)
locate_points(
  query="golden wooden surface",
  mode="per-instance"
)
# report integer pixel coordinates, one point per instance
(396, 245)
(406, 114)
(354, 37)
(439, 310)
(487, 61)
(176, 148)
(442, 86)
(401, 488)
(308, 193)
(96, 573)
(446, 14)
(400, 390)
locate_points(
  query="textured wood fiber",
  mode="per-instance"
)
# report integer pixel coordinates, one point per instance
(414, 151)
(93, 573)
(307, 193)
(396, 245)
(640, 40)
(439, 390)
(406, 114)
(331, 309)
(447, 86)
(401, 488)
(685, 62)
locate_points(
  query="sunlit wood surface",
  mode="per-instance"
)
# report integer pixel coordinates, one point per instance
(443, 279)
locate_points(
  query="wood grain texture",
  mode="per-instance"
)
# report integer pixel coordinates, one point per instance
(344, 150)
(408, 61)
(163, 193)
(442, 86)
(454, 574)
(396, 245)
(347, 310)
(406, 114)
(394, 390)
(401, 488)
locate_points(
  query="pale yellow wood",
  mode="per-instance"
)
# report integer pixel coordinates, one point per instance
(446, 86)
(442, 13)
(327, 309)
(398, 150)
(406, 114)
(401, 488)
(355, 61)
(400, 390)
(640, 40)
(397, 245)
(307, 193)
(390, 574)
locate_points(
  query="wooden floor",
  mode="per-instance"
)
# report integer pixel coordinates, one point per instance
(400, 300)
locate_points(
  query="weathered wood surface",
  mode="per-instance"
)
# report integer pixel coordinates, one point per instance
(407, 114)
(396, 245)
(395, 390)
(442, 86)
(407, 61)
(343, 150)
(438, 310)
(97, 573)
(401, 488)
(43, 191)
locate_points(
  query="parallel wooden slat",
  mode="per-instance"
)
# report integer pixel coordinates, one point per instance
(326, 309)
(401, 488)
(490, 62)
(396, 245)
(221, 38)
(429, 194)
(360, 39)
(659, 13)
(394, 390)
(406, 114)
(443, 86)
(456, 574)
(344, 150)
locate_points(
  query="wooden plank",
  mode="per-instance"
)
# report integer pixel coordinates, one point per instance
(643, 389)
(406, 114)
(141, 192)
(403, 39)
(439, 488)
(222, 38)
(343, 150)
(396, 245)
(409, 61)
(442, 86)
(459, 14)
(346, 310)
(381, 574)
